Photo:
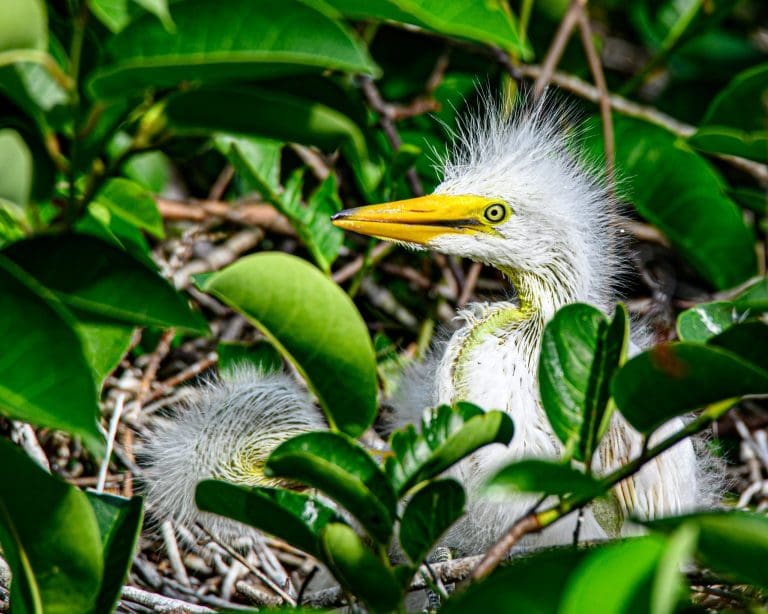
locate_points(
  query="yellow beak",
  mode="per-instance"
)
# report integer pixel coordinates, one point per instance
(417, 220)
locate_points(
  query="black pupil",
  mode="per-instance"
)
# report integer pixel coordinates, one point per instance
(494, 213)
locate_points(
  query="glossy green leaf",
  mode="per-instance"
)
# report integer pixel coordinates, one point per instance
(741, 103)
(674, 378)
(50, 539)
(733, 543)
(429, 514)
(490, 23)
(92, 276)
(754, 297)
(314, 324)
(360, 571)
(621, 577)
(105, 342)
(284, 38)
(100, 222)
(704, 321)
(262, 355)
(259, 162)
(580, 352)
(681, 194)
(152, 170)
(339, 467)
(732, 142)
(117, 14)
(15, 167)
(133, 203)
(294, 517)
(44, 376)
(119, 521)
(274, 114)
(542, 476)
(747, 340)
(23, 25)
(448, 435)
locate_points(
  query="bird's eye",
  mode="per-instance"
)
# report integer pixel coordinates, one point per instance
(495, 213)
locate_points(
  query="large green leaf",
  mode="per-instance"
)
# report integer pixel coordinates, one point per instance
(580, 352)
(754, 297)
(105, 342)
(490, 23)
(133, 203)
(295, 517)
(733, 543)
(259, 162)
(683, 196)
(15, 167)
(281, 38)
(363, 573)
(119, 521)
(704, 321)
(117, 14)
(50, 539)
(429, 514)
(748, 340)
(446, 437)
(674, 378)
(730, 141)
(23, 25)
(741, 103)
(44, 376)
(95, 277)
(314, 324)
(274, 114)
(339, 467)
(542, 476)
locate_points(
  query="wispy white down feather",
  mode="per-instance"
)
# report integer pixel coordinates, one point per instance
(225, 431)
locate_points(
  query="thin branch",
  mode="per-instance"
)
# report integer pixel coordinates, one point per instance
(113, 422)
(160, 603)
(555, 51)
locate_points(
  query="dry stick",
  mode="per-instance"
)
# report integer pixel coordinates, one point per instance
(555, 51)
(596, 68)
(167, 386)
(469, 286)
(535, 521)
(221, 183)
(351, 269)
(24, 435)
(174, 555)
(113, 422)
(159, 603)
(247, 213)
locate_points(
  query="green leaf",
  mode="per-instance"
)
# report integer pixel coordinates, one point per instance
(44, 376)
(256, 159)
(732, 142)
(703, 322)
(429, 514)
(50, 539)
(748, 340)
(133, 203)
(105, 342)
(580, 352)
(674, 378)
(733, 543)
(446, 437)
(119, 521)
(262, 355)
(339, 467)
(152, 170)
(316, 327)
(359, 570)
(100, 222)
(542, 476)
(95, 277)
(621, 577)
(15, 167)
(294, 517)
(274, 114)
(489, 23)
(117, 14)
(754, 297)
(284, 38)
(23, 25)
(681, 194)
(741, 103)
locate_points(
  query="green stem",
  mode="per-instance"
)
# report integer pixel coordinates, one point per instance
(525, 17)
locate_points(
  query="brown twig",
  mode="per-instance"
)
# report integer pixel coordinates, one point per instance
(258, 214)
(222, 181)
(350, 269)
(555, 51)
(470, 283)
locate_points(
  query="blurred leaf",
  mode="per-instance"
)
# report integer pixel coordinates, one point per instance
(446, 437)
(133, 203)
(732, 142)
(429, 514)
(704, 321)
(580, 352)
(743, 103)
(23, 25)
(622, 577)
(117, 14)
(340, 468)
(119, 521)
(674, 378)
(732, 543)
(359, 570)
(489, 23)
(151, 170)
(748, 340)
(44, 376)
(105, 342)
(100, 222)
(542, 476)
(684, 197)
(275, 115)
(316, 327)
(49, 536)
(756, 200)
(294, 517)
(285, 38)
(15, 167)
(262, 355)
(93, 276)
(754, 296)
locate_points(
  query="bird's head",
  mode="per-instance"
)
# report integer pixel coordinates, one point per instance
(516, 197)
